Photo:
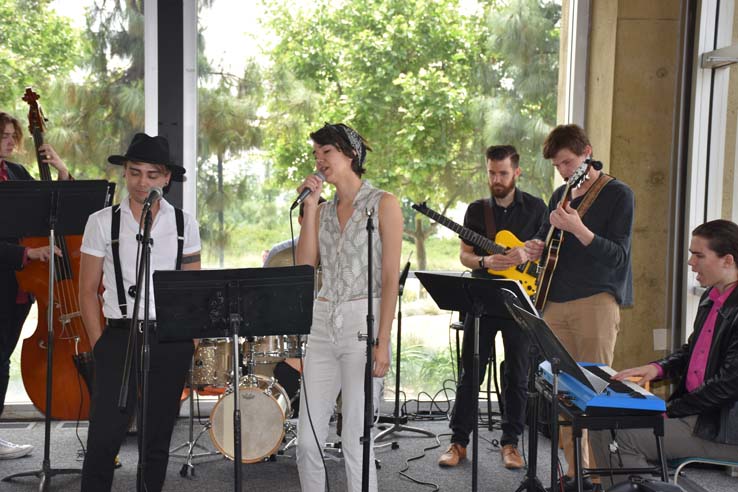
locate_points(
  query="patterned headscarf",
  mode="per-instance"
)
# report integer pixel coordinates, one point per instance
(356, 141)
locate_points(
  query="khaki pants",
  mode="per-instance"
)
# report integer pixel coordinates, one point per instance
(588, 328)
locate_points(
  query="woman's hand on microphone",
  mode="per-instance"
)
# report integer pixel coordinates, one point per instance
(315, 184)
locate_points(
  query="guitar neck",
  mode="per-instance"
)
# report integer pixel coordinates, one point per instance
(465, 233)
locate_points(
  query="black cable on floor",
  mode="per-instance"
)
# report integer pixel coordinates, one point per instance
(402, 473)
(437, 409)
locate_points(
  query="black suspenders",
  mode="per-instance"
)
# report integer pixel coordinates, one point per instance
(115, 243)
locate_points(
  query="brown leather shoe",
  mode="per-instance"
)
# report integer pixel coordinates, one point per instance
(455, 453)
(511, 457)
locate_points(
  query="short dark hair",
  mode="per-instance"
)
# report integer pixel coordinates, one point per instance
(336, 135)
(502, 152)
(570, 137)
(6, 118)
(302, 205)
(721, 235)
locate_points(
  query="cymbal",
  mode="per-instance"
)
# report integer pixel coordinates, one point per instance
(281, 259)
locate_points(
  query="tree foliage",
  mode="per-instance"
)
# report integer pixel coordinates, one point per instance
(399, 72)
(37, 45)
(516, 100)
(428, 84)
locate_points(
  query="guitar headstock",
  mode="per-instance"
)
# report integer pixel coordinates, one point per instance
(36, 119)
(422, 207)
(579, 175)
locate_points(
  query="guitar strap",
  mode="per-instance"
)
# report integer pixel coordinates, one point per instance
(592, 193)
(489, 219)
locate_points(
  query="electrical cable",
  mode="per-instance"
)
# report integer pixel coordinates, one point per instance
(407, 476)
(434, 411)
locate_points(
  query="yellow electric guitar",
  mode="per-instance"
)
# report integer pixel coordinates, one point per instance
(526, 272)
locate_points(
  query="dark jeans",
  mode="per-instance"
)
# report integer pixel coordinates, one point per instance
(169, 365)
(515, 375)
(11, 325)
(289, 379)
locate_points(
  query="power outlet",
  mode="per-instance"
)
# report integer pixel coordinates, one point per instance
(659, 339)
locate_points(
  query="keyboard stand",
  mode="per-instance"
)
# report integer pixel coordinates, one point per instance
(580, 421)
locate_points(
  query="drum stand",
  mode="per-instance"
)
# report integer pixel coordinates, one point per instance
(192, 441)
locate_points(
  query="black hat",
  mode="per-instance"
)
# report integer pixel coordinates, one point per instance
(152, 150)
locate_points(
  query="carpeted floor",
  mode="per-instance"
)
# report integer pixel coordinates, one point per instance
(215, 474)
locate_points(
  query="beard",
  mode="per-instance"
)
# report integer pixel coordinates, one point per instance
(501, 191)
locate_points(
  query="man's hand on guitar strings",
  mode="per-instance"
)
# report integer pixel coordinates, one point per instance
(567, 219)
(534, 249)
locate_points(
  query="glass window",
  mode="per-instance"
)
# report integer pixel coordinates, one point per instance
(430, 88)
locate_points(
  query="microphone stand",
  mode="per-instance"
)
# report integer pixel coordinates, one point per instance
(366, 439)
(144, 278)
(399, 422)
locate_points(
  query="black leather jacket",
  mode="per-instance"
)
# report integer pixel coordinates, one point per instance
(716, 401)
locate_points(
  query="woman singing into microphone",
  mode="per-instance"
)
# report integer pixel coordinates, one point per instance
(334, 234)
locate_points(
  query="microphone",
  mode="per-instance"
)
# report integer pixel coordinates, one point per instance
(154, 194)
(403, 276)
(306, 192)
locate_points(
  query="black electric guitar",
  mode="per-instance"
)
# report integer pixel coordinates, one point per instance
(550, 255)
(504, 240)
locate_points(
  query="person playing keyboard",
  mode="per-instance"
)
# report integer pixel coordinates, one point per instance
(702, 413)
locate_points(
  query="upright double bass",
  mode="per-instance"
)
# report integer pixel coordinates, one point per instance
(70, 397)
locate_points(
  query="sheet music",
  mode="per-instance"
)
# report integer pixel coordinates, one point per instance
(520, 294)
(598, 384)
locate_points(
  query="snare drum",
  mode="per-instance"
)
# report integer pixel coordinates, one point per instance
(264, 407)
(213, 364)
(266, 350)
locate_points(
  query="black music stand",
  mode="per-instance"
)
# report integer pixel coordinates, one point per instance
(478, 297)
(544, 340)
(50, 208)
(244, 302)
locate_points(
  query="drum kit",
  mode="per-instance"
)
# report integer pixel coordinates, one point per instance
(264, 404)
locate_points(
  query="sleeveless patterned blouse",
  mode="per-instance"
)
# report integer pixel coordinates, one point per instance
(343, 255)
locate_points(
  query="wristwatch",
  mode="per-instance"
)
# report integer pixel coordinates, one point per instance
(481, 262)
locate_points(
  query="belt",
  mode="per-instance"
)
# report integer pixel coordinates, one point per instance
(125, 323)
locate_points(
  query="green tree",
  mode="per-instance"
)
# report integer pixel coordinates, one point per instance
(228, 117)
(37, 46)
(516, 100)
(97, 116)
(399, 72)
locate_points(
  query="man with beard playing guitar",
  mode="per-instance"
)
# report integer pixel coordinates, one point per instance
(522, 214)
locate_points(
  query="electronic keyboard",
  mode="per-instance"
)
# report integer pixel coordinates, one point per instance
(617, 397)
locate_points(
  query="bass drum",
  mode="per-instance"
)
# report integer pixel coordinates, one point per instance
(264, 407)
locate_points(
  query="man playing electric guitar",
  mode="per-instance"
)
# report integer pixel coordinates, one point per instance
(522, 214)
(593, 276)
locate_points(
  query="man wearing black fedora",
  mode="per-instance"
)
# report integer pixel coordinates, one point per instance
(109, 252)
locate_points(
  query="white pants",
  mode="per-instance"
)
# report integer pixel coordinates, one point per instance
(330, 368)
